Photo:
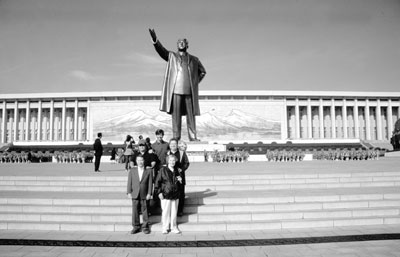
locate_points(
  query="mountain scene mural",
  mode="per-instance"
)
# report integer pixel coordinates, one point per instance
(237, 125)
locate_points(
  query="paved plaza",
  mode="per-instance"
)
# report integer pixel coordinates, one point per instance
(376, 240)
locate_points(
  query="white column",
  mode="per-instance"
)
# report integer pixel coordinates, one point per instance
(297, 118)
(76, 121)
(333, 118)
(4, 124)
(39, 135)
(63, 120)
(344, 118)
(321, 119)
(356, 121)
(284, 129)
(27, 135)
(378, 120)
(89, 121)
(367, 120)
(309, 119)
(389, 118)
(51, 120)
(79, 126)
(15, 125)
(398, 112)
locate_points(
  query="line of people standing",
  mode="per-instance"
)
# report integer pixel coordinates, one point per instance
(166, 163)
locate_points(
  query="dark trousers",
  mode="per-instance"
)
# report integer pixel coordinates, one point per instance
(97, 162)
(136, 204)
(128, 159)
(155, 202)
(182, 104)
(181, 198)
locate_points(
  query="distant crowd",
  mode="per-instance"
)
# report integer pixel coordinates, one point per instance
(39, 156)
(333, 155)
(347, 155)
(284, 155)
(228, 156)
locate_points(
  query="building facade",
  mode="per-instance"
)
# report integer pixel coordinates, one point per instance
(226, 115)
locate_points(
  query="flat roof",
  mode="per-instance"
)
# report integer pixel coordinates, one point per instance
(202, 93)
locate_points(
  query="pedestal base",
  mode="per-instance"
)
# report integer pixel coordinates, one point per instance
(195, 150)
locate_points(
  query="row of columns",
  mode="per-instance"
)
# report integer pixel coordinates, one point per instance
(309, 104)
(27, 124)
(345, 122)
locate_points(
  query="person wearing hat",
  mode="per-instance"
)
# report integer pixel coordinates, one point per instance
(149, 158)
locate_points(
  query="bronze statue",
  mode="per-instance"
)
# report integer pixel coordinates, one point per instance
(180, 92)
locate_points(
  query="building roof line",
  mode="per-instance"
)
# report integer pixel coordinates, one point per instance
(202, 93)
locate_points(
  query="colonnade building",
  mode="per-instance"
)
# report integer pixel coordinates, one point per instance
(226, 115)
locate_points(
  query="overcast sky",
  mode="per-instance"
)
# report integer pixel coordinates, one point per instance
(104, 45)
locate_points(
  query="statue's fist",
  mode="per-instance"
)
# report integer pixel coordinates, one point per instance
(153, 35)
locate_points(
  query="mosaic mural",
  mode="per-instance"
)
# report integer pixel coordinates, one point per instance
(219, 120)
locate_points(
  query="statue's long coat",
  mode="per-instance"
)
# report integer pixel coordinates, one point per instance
(196, 73)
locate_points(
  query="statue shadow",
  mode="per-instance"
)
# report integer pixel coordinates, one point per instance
(193, 201)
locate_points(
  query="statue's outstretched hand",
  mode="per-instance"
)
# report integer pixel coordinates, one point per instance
(153, 35)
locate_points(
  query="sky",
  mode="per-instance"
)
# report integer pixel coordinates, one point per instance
(104, 45)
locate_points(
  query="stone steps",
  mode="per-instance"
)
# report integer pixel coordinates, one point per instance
(122, 189)
(124, 206)
(213, 203)
(208, 197)
(229, 182)
(203, 217)
(238, 185)
(203, 209)
(218, 183)
(205, 226)
(265, 176)
(221, 183)
(284, 212)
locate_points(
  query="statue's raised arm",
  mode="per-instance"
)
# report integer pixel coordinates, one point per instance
(164, 53)
(153, 35)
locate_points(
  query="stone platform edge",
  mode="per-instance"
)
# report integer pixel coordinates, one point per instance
(202, 243)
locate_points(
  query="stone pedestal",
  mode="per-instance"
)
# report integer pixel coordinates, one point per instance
(200, 146)
(308, 157)
(195, 150)
(393, 154)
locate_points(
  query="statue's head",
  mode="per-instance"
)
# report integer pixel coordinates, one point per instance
(183, 44)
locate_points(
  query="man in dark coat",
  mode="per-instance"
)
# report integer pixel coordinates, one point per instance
(160, 148)
(98, 151)
(139, 188)
(180, 93)
(397, 141)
